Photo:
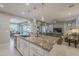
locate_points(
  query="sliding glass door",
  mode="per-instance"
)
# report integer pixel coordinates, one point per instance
(25, 29)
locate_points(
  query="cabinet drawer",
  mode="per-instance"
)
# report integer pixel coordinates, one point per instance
(37, 50)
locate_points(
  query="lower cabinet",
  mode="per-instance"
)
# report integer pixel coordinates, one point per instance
(21, 46)
(36, 50)
(18, 44)
(28, 49)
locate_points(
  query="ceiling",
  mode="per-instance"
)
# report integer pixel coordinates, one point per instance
(14, 20)
(49, 11)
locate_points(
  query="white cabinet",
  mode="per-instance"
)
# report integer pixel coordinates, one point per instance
(26, 48)
(36, 50)
(18, 43)
(21, 46)
(15, 41)
(29, 49)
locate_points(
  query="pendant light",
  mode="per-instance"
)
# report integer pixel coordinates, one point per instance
(42, 18)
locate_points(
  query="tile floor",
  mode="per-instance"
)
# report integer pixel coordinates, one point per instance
(8, 49)
(65, 50)
(5, 50)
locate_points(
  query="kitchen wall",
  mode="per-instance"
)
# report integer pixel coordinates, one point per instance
(69, 25)
(77, 22)
(66, 25)
(4, 28)
(59, 24)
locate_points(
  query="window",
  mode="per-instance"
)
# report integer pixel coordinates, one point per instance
(14, 27)
(25, 28)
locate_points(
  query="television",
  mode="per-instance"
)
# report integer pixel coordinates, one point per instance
(59, 30)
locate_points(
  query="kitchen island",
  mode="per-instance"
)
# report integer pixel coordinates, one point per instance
(35, 46)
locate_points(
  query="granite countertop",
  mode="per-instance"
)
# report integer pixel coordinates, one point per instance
(45, 42)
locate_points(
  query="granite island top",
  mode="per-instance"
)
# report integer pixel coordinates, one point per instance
(45, 42)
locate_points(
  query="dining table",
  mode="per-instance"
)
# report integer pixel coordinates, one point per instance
(74, 40)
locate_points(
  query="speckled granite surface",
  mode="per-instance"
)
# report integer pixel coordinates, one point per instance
(45, 42)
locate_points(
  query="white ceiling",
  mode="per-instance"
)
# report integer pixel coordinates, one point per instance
(51, 11)
(14, 20)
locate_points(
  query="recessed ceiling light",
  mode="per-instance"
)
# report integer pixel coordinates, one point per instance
(22, 13)
(69, 13)
(42, 18)
(27, 4)
(1, 5)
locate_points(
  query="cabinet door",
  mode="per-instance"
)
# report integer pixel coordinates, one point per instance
(15, 41)
(21, 46)
(18, 43)
(26, 48)
(35, 50)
